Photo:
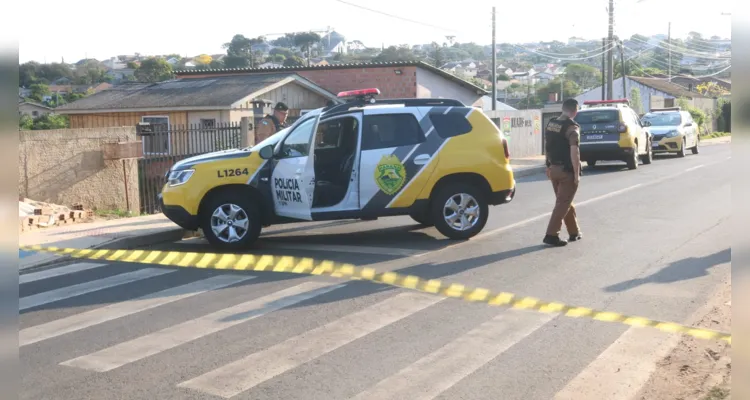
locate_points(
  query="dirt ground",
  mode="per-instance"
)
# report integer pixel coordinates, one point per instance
(697, 369)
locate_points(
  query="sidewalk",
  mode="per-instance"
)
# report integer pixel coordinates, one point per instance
(120, 233)
(526, 166)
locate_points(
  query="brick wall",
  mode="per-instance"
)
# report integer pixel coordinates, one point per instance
(391, 84)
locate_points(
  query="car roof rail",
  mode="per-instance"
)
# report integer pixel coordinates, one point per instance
(423, 102)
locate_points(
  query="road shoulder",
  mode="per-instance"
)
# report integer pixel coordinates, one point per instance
(697, 369)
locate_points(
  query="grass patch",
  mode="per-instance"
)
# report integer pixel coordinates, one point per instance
(714, 135)
(114, 214)
(717, 393)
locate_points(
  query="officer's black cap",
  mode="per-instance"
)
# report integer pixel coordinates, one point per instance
(281, 107)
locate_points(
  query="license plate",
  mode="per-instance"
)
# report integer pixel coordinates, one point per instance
(655, 144)
(594, 137)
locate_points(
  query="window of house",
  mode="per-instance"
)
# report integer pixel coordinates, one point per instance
(390, 130)
(158, 142)
(208, 123)
(35, 113)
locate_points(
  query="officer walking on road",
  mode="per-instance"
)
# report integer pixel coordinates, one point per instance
(273, 123)
(562, 137)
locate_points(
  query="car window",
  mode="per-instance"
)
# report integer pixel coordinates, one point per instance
(332, 133)
(390, 130)
(297, 144)
(451, 124)
(597, 116)
(663, 119)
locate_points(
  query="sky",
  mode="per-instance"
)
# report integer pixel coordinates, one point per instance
(83, 28)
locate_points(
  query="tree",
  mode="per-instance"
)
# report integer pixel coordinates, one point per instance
(305, 41)
(154, 70)
(38, 91)
(502, 76)
(635, 100)
(585, 76)
(710, 89)
(294, 61)
(44, 122)
(203, 59)
(216, 64)
(437, 54)
(132, 65)
(240, 51)
(285, 41)
(401, 53)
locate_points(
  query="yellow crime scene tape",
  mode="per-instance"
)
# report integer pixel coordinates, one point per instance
(309, 266)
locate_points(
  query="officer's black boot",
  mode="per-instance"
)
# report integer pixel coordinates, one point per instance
(554, 241)
(574, 238)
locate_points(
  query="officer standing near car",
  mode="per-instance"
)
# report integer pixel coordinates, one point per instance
(562, 138)
(274, 122)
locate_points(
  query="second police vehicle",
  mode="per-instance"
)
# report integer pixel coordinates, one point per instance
(437, 160)
(612, 131)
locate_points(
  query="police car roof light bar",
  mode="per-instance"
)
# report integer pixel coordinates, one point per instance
(360, 93)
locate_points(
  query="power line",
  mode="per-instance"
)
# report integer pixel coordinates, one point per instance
(397, 17)
(685, 52)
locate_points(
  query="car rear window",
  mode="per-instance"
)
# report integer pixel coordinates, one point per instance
(597, 116)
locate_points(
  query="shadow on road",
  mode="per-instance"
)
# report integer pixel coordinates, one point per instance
(682, 270)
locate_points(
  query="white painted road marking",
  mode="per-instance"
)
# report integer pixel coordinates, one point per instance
(244, 374)
(88, 287)
(165, 339)
(118, 310)
(440, 370)
(55, 272)
(694, 168)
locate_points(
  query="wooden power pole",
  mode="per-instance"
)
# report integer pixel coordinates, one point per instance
(610, 55)
(494, 64)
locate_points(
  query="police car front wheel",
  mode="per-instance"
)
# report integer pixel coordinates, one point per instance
(459, 211)
(230, 221)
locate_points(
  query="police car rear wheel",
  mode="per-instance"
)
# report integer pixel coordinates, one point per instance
(633, 160)
(230, 221)
(649, 156)
(459, 211)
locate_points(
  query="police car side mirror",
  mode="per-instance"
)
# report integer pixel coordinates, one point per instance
(266, 153)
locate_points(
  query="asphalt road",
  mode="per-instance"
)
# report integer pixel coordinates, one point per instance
(656, 244)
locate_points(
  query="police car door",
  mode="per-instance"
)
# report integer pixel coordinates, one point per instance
(293, 176)
(389, 158)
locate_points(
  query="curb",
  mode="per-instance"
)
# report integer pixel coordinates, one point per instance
(129, 243)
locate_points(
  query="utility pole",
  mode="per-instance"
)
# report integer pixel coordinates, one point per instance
(494, 64)
(604, 68)
(562, 80)
(669, 49)
(622, 65)
(610, 55)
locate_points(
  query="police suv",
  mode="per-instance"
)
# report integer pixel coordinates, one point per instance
(674, 131)
(612, 131)
(437, 160)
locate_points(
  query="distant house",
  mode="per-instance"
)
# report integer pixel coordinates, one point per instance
(173, 61)
(33, 109)
(333, 43)
(355, 46)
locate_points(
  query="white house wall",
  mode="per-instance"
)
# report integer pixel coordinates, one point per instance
(430, 84)
(646, 92)
(522, 128)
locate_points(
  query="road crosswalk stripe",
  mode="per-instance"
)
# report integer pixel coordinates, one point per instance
(55, 272)
(244, 374)
(168, 338)
(440, 370)
(87, 319)
(88, 287)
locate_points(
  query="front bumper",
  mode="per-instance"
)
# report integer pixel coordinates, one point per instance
(667, 146)
(605, 152)
(179, 215)
(502, 196)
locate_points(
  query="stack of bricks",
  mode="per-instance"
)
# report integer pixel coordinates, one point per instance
(48, 215)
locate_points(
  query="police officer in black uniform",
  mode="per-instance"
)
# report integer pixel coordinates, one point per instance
(562, 138)
(274, 122)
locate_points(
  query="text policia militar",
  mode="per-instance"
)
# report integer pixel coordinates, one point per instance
(287, 190)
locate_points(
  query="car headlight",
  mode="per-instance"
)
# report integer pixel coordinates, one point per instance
(179, 177)
(673, 133)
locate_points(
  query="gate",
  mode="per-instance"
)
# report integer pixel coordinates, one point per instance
(164, 145)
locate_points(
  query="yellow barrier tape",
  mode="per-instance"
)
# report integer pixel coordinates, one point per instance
(309, 266)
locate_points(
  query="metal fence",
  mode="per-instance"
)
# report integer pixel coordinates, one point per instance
(164, 145)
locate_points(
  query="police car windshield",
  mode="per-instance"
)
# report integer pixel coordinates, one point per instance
(273, 139)
(597, 116)
(663, 119)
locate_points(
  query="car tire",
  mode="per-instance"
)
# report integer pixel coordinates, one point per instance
(632, 162)
(649, 156)
(238, 207)
(681, 153)
(422, 217)
(591, 163)
(694, 149)
(439, 205)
